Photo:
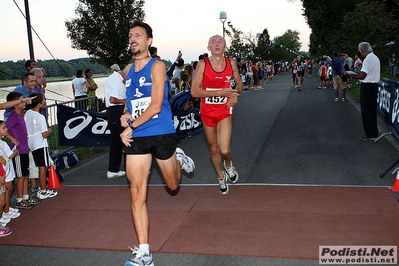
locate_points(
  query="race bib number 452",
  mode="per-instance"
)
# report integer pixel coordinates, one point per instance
(215, 99)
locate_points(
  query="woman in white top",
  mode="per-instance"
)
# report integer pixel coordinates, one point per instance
(79, 90)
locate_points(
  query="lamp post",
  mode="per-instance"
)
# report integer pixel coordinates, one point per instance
(257, 37)
(223, 17)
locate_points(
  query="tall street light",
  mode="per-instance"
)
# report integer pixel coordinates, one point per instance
(257, 37)
(223, 17)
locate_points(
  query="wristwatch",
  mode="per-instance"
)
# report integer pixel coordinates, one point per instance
(131, 126)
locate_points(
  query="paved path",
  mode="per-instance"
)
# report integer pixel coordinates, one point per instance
(299, 154)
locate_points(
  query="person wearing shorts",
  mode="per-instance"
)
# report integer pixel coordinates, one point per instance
(18, 137)
(38, 132)
(212, 84)
(149, 132)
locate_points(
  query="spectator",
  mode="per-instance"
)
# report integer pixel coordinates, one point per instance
(337, 65)
(91, 89)
(369, 77)
(115, 100)
(393, 63)
(26, 88)
(79, 85)
(38, 72)
(38, 132)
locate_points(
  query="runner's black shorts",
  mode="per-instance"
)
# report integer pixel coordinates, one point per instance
(161, 146)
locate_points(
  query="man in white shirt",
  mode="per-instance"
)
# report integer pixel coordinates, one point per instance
(115, 99)
(369, 77)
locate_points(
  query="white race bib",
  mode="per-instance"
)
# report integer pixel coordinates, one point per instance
(215, 99)
(139, 106)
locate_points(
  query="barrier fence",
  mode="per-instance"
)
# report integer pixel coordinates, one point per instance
(97, 105)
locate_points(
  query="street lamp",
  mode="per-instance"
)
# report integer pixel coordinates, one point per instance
(223, 17)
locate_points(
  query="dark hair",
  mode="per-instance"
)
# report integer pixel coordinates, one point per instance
(185, 76)
(25, 77)
(153, 51)
(200, 57)
(14, 95)
(180, 62)
(28, 62)
(87, 71)
(79, 73)
(37, 100)
(144, 25)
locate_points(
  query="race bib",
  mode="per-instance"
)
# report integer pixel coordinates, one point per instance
(215, 99)
(139, 106)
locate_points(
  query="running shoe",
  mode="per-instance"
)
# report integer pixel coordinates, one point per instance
(5, 231)
(187, 164)
(13, 209)
(139, 258)
(46, 194)
(4, 221)
(223, 186)
(11, 215)
(231, 173)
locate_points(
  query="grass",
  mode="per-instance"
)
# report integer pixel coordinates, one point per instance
(354, 90)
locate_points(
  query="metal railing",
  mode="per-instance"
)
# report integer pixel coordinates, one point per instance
(93, 103)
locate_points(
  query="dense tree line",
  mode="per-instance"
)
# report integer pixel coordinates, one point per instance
(53, 68)
(340, 25)
(56, 68)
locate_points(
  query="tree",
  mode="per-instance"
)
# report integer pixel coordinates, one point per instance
(375, 33)
(264, 45)
(102, 28)
(5, 72)
(238, 47)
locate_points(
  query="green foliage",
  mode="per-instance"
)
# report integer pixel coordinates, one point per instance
(10, 70)
(340, 25)
(260, 47)
(238, 48)
(102, 28)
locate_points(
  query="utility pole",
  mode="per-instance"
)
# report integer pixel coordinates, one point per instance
(29, 29)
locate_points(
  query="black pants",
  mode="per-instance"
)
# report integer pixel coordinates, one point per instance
(115, 151)
(368, 106)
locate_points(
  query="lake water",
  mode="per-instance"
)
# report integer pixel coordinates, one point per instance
(56, 91)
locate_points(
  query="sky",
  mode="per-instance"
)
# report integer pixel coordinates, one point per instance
(178, 25)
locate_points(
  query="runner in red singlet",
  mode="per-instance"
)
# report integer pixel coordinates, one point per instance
(212, 83)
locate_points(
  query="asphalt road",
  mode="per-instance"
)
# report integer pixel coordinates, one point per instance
(280, 136)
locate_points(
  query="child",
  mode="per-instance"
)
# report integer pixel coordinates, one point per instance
(8, 155)
(18, 136)
(38, 132)
(185, 81)
(4, 231)
(322, 74)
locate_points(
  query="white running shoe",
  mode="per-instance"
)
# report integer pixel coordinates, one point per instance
(11, 215)
(231, 172)
(223, 186)
(46, 194)
(13, 209)
(139, 258)
(4, 221)
(187, 164)
(112, 175)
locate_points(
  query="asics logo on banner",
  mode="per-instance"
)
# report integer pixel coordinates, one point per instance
(138, 93)
(98, 128)
(143, 83)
